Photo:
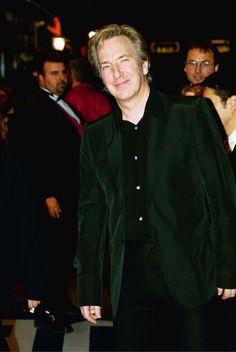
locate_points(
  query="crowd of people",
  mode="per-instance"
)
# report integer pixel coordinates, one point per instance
(44, 134)
(128, 177)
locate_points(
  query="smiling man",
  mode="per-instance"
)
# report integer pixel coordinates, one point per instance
(156, 179)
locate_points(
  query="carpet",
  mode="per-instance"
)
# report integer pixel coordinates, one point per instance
(22, 336)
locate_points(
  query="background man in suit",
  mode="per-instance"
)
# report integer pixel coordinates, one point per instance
(20, 250)
(154, 173)
(46, 135)
(222, 93)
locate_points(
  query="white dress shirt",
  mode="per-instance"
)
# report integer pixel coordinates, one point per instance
(232, 139)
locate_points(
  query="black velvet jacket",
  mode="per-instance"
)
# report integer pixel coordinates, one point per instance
(191, 202)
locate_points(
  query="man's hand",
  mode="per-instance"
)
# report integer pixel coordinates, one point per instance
(226, 293)
(32, 304)
(53, 207)
(91, 313)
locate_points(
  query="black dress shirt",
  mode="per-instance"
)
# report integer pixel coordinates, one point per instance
(134, 150)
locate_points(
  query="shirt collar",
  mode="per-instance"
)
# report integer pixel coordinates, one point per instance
(51, 95)
(232, 139)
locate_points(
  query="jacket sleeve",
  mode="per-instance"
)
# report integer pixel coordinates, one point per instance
(92, 230)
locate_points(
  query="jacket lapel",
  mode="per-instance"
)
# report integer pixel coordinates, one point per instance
(115, 158)
(114, 152)
(155, 151)
(157, 110)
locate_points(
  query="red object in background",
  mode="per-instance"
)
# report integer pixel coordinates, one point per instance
(55, 29)
(83, 50)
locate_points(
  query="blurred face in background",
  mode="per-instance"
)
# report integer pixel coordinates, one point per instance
(199, 65)
(3, 98)
(224, 109)
(54, 77)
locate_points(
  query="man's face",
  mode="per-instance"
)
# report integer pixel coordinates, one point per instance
(54, 77)
(3, 98)
(199, 65)
(121, 71)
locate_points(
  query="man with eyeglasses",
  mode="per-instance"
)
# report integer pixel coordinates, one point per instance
(202, 59)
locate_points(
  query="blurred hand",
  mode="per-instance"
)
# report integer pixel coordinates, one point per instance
(53, 207)
(32, 304)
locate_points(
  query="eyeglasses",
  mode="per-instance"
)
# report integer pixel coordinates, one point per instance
(204, 65)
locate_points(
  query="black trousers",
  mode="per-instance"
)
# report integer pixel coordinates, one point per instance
(149, 318)
(59, 246)
(223, 323)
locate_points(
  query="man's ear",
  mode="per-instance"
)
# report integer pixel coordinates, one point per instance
(146, 66)
(41, 79)
(232, 103)
(217, 67)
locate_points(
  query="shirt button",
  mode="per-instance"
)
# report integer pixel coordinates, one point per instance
(135, 157)
(138, 187)
(135, 127)
(140, 218)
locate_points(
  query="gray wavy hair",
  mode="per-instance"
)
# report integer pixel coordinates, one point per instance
(113, 30)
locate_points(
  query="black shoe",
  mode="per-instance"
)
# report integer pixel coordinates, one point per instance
(46, 320)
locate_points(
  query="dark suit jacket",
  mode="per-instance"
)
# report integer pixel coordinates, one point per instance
(233, 160)
(20, 248)
(191, 202)
(45, 136)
